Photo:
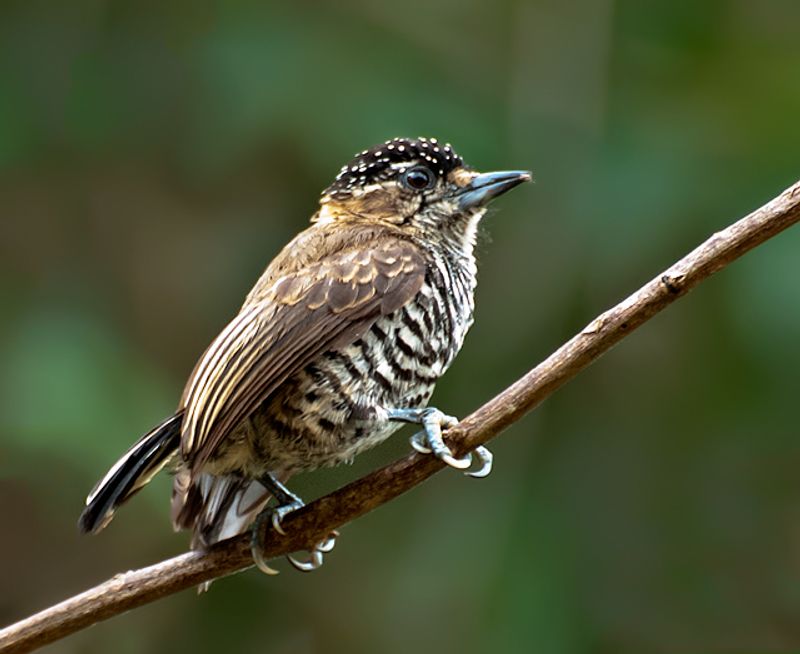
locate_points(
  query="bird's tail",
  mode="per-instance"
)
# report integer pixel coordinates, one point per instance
(128, 475)
(215, 507)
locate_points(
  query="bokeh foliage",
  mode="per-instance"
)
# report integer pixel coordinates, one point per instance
(154, 157)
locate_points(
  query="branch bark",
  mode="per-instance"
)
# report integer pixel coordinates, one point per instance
(310, 524)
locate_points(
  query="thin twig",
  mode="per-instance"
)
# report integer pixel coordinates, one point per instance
(312, 523)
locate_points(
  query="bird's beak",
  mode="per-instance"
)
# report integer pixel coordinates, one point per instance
(486, 186)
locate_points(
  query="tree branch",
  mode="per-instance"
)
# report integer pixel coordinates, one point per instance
(312, 523)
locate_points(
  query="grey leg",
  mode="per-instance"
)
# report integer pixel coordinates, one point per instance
(287, 501)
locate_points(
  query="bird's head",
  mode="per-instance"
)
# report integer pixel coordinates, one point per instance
(419, 185)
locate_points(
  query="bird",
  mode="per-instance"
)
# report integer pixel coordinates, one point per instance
(341, 340)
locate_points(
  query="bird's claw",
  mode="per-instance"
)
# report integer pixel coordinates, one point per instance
(276, 516)
(256, 549)
(485, 458)
(430, 441)
(421, 444)
(327, 545)
(314, 562)
(315, 559)
(280, 512)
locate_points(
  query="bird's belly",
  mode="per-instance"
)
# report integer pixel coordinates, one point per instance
(335, 407)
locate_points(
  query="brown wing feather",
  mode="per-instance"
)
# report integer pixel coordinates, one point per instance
(309, 311)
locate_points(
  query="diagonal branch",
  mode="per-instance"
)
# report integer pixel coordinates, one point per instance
(312, 523)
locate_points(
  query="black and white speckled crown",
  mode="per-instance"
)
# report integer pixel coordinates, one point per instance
(383, 162)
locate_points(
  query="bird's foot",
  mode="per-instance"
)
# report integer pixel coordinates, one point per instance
(276, 515)
(287, 502)
(430, 441)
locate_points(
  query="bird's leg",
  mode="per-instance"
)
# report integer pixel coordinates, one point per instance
(286, 503)
(430, 441)
(286, 499)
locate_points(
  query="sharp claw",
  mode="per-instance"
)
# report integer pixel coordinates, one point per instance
(256, 550)
(453, 462)
(276, 517)
(418, 443)
(485, 458)
(329, 543)
(261, 562)
(280, 512)
(276, 523)
(314, 562)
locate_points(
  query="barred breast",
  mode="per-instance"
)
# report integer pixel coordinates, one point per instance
(335, 407)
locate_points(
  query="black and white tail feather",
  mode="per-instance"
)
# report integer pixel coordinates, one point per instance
(133, 471)
(215, 508)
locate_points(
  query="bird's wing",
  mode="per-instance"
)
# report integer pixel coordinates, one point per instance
(325, 305)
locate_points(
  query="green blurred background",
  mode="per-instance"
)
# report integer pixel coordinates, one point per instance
(155, 156)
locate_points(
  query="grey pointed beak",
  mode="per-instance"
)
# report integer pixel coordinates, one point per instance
(487, 186)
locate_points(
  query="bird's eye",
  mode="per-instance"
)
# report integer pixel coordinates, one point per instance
(418, 178)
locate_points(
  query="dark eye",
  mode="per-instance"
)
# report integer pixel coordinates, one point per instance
(418, 178)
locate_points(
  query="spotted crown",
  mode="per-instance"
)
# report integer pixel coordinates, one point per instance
(379, 163)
